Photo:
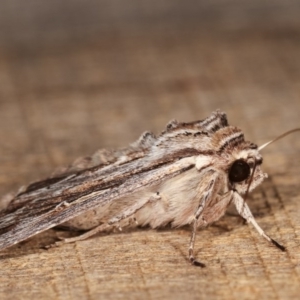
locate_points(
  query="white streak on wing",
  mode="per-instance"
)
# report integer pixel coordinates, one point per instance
(203, 161)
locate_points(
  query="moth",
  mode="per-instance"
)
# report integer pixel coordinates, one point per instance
(188, 174)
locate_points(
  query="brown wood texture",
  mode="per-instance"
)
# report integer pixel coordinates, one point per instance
(62, 101)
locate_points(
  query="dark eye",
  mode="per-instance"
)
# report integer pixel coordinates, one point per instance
(239, 171)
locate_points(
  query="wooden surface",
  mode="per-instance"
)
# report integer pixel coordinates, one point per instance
(61, 101)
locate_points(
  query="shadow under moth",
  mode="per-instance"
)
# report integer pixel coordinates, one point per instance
(188, 174)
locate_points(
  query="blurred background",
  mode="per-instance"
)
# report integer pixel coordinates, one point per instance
(76, 76)
(79, 75)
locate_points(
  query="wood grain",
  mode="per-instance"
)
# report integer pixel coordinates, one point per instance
(68, 100)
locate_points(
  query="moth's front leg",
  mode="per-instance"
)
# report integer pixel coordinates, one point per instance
(210, 192)
(244, 210)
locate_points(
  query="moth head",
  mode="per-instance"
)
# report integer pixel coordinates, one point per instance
(240, 159)
(245, 172)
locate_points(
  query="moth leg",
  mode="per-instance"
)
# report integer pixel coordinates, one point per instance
(244, 210)
(81, 237)
(208, 193)
(191, 248)
(125, 214)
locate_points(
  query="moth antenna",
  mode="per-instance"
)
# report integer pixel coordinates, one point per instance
(262, 147)
(278, 138)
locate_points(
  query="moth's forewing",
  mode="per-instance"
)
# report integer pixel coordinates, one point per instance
(107, 176)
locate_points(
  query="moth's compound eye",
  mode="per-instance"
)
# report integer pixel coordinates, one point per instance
(239, 171)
